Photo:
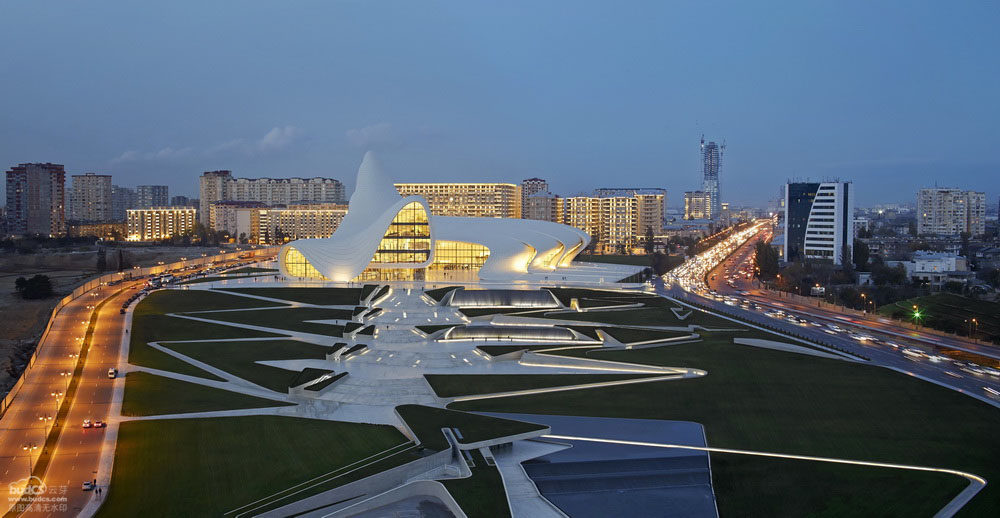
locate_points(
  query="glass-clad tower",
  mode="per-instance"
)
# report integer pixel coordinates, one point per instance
(711, 159)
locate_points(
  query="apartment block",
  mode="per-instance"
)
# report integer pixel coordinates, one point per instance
(949, 212)
(159, 222)
(36, 199)
(484, 200)
(222, 186)
(697, 205)
(90, 198)
(149, 196)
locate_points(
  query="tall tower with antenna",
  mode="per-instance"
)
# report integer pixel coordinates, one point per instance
(711, 160)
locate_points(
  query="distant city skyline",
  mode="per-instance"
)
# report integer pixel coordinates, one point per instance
(583, 95)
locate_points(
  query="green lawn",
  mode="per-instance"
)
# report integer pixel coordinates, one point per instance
(482, 495)
(661, 316)
(150, 324)
(238, 358)
(321, 296)
(451, 385)
(774, 401)
(756, 486)
(634, 260)
(251, 269)
(950, 313)
(627, 335)
(206, 467)
(290, 319)
(148, 394)
(220, 278)
(426, 423)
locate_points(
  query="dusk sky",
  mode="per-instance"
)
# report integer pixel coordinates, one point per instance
(891, 95)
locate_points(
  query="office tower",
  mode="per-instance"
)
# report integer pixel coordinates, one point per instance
(149, 196)
(159, 222)
(222, 186)
(711, 159)
(486, 200)
(302, 221)
(696, 205)
(180, 201)
(818, 220)
(122, 199)
(949, 212)
(544, 206)
(90, 198)
(36, 199)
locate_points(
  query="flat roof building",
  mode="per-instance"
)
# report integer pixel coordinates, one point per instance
(36, 200)
(950, 212)
(480, 200)
(158, 223)
(90, 198)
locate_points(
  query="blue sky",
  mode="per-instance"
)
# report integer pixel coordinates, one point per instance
(891, 95)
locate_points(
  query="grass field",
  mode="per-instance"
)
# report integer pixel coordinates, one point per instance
(206, 467)
(148, 394)
(660, 316)
(290, 319)
(482, 495)
(451, 385)
(251, 269)
(238, 358)
(149, 324)
(789, 403)
(220, 278)
(426, 423)
(764, 487)
(320, 296)
(951, 313)
(634, 260)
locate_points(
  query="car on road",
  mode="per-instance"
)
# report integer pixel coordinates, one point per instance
(99, 424)
(112, 373)
(88, 485)
(87, 423)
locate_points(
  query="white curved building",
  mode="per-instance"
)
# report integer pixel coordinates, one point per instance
(385, 237)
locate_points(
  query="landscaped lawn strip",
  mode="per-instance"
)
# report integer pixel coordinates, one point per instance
(290, 319)
(148, 394)
(320, 296)
(150, 324)
(207, 467)
(774, 401)
(756, 486)
(238, 358)
(451, 385)
(482, 495)
(426, 423)
(658, 316)
(950, 313)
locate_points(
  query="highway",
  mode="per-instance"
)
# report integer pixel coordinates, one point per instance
(25, 425)
(883, 344)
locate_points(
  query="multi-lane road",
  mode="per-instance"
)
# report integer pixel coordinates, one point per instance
(76, 455)
(730, 291)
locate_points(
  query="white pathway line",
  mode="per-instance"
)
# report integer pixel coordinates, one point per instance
(976, 483)
(223, 385)
(316, 481)
(598, 384)
(267, 410)
(308, 337)
(293, 303)
(231, 378)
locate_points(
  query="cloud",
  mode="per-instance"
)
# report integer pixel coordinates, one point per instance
(382, 134)
(278, 138)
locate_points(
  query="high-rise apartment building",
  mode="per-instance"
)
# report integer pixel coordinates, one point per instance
(818, 221)
(949, 212)
(651, 204)
(233, 217)
(181, 201)
(122, 199)
(696, 205)
(90, 198)
(530, 187)
(159, 222)
(303, 221)
(542, 205)
(485, 200)
(36, 199)
(616, 218)
(149, 196)
(222, 186)
(711, 160)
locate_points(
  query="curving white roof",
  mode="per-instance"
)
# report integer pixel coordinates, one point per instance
(518, 247)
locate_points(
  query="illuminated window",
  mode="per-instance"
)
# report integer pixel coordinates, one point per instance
(408, 238)
(298, 266)
(458, 255)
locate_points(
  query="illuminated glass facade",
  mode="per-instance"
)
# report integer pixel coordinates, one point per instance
(459, 255)
(298, 265)
(408, 239)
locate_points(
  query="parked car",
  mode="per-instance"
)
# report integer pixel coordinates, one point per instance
(88, 485)
(87, 423)
(112, 373)
(99, 424)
